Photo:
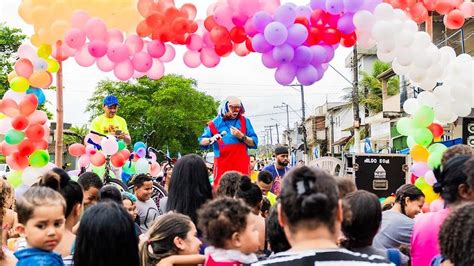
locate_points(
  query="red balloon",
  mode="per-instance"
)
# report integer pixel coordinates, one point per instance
(248, 44)
(314, 36)
(224, 49)
(41, 144)
(28, 105)
(77, 149)
(430, 4)
(444, 6)
(413, 178)
(143, 30)
(418, 13)
(179, 25)
(172, 13)
(331, 36)
(17, 162)
(436, 129)
(210, 23)
(454, 19)
(303, 21)
(155, 20)
(220, 35)
(125, 153)
(238, 35)
(98, 159)
(26, 147)
(35, 132)
(332, 20)
(192, 27)
(20, 122)
(117, 160)
(8, 149)
(348, 40)
(319, 17)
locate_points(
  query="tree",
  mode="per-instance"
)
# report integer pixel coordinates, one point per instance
(75, 135)
(10, 40)
(171, 106)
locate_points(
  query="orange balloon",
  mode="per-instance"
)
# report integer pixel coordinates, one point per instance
(419, 153)
(28, 104)
(98, 159)
(11, 75)
(40, 79)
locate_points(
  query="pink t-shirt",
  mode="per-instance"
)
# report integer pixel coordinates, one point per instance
(424, 240)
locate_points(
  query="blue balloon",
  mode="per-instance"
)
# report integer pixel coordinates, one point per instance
(138, 145)
(38, 93)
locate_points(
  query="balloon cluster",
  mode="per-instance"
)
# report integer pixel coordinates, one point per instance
(421, 132)
(166, 23)
(92, 42)
(51, 19)
(454, 11)
(414, 55)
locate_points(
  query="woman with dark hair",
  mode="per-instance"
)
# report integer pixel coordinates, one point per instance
(455, 184)
(364, 222)
(275, 235)
(60, 181)
(189, 187)
(106, 236)
(310, 213)
(397, 222)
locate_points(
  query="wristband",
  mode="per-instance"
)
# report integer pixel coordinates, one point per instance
(243, 138)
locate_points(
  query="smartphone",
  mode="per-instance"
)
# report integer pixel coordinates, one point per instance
(118, 132)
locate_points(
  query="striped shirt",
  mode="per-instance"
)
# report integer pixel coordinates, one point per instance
(324, 257)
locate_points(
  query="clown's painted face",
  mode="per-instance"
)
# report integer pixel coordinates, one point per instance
(234, 107)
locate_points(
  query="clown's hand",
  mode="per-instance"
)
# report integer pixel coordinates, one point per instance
(214, 138)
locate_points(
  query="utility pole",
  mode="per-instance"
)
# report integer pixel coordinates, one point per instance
(355, 99)
(286, 106)
(303, 122)
(278, 133)
(271, 134)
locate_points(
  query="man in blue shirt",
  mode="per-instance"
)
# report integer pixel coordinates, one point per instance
(231, 135)
(278, 168)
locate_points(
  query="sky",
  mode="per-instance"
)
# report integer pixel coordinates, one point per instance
(245, 78)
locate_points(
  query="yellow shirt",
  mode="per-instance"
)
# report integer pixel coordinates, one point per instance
(108, 126)
(254, 175)
(272, 198)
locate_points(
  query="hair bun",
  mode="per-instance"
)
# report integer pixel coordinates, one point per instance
(245, 183)
(437, 187)
(51, 180)
(317, 202)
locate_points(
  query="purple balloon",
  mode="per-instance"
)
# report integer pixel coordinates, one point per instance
(370, 5)
(268, 60)
(286, 14)
(285, 74)
(260, 45)
(303, 11)
(334, 6)
(319, 55)
(283, 53)
(261, 19)
(318, 4)
(352, 6)
(303, 56)
(307, 75)
(276, 33)
(297, 34)
(329, 53)
(345, 24)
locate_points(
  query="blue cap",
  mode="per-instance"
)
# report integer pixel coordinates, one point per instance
(110, 100)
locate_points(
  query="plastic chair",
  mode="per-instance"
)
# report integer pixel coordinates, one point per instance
(332, 165)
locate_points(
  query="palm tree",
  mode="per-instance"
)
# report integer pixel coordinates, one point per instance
(75, 135)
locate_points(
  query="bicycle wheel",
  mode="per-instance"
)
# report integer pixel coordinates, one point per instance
(118, 184)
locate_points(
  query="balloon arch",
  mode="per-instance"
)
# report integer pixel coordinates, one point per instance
(135, 38)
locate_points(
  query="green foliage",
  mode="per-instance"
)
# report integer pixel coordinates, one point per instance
(76, 135)
(171, 106)
(10, 40)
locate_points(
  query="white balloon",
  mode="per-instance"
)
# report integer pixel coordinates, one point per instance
(442, 93)
(386, 57)
(16, 96)
(427, 98)
(443, 112)
(382, 31)
(464, 58)
(399, 69)
(416, 74)
(405, 56)
(405, 38)
(31, 174)
(447, 53)
(410, 106)
(399, 14)
(422, 40)
(386, 46)
(383, 11)
(428, 84)
(435, 71)
(410, 26)
(364, 20)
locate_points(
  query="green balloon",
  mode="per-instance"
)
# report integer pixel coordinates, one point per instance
(13, 137)
(423, 136)
(39, 158)
(421, 184)
(121, 145)
(404, 126)
(423, 117)
(99, 170)
(434, 160)
(437, 148)
(129, 168)
(382, 199)
(14, 178)
(410, 142)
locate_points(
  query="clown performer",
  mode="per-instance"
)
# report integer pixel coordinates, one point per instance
(231, 135)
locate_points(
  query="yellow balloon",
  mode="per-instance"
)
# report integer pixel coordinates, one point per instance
(53, 65)
(19, 84)
(430, 195)
(44, 51)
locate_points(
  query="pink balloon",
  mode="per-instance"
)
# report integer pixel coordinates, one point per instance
(430, 178)
(157, 70)
(250, 28)
(75, 38)
(26, 51)
(124, 70)
(249, 7)
(223, 16)
(83, 58)
(105, 64)
(137, 74)
(142, 62)
(134, 44)
(5, 125)
(454, 19)
(96, 29)
(24, 67)
(79, 19)
(38, 117)
(65, 52)
(240, 49)
(437, 205)
(115, 36)
(467, 9)
(16, 96)
(97, 48)
(169, 55)
(209, 58)
(90, 150)
(109, 145)
(7, 149)
(84, 160)
(420, 169)
(156, 49)
(155, 169)
(192, 59)
(194, 43)
(117, 52)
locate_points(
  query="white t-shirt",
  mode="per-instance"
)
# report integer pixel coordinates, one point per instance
(147, 213)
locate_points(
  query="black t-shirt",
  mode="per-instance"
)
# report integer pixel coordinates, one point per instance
(326, 257)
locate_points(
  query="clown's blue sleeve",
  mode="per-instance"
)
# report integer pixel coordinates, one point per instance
(206, 134)
(251, 133)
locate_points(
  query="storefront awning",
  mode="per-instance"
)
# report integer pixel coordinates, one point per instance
(342, 141)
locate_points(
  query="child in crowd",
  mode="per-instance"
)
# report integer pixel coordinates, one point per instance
(172, 239)
(265, 183)
(128, 201)
(228, 184)
(91, 184)
(9, 216)
(41, 219)
(230, 228)
(277, 241)
(109, 192)
(345, 185)
(6, 257)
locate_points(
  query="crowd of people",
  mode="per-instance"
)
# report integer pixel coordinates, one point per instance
(310, 218)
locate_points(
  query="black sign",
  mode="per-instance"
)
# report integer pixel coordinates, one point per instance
(381, 174)
(468, 131)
